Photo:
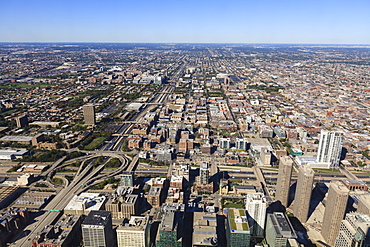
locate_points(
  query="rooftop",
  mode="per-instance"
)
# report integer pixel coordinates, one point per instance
(135, 223)
(97, 218)
(16, 138)
(92, 201)
(237, 220)
(282, 225)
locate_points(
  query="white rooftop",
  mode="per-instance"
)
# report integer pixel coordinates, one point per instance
(92, 201)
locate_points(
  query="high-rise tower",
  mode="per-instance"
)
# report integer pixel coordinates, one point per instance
(22, 121)
(283, 181)
(335, 209)
(255, 205)
(204, 173)
(330, 148)
(89, 114)
(97, 229)
(303, 193)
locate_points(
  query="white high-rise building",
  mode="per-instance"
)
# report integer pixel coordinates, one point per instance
(330, 148)
(225, 143)
(241, 143)
(255, 205)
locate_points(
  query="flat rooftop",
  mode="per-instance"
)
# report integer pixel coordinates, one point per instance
(5, 191)
(13, 151)
(282, 225)
(136, 223)
(45, 123)
(237, 220)
(16, 138)
(154, 191)
(97, 218)
(92, 201)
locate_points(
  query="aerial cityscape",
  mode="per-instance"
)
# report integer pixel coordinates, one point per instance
(184, 145)
(184, 123)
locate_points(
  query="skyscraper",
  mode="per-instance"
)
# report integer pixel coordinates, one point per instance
(241, 143)
(255, 205)
(97, 229)
(335, 209)
(364, 204)
(22, 121)
(330, 148)
(204, 173)
(89, 114)
(225, 143)
(283, 181)
(303, 193)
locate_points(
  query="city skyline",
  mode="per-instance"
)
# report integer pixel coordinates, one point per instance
(285, 22)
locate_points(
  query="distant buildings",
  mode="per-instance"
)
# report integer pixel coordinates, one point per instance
(89, 114)
(265, 156)
(330, 148)
(123, 203)
(12, 221)
(303, 193)
(336, 204)
(283, 181)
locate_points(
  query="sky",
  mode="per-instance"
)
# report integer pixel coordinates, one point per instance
(189, 21)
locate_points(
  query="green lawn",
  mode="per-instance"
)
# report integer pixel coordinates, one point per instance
(57, 181)
(270, 169)
(95, 143)
(233, 205)
(24, 85)
(8, 112)
(327, 171)
(361, 172)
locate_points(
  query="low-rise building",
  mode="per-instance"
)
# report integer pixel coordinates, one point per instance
(65, 233)
(204, 229)
(155, 196)
(84, 203)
